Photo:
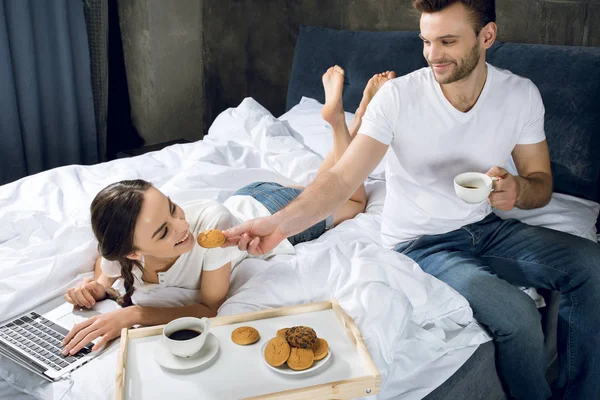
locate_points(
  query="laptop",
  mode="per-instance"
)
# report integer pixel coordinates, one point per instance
(33, 340)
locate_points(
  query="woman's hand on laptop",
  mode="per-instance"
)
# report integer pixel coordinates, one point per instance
(86, 293)
(104, 326)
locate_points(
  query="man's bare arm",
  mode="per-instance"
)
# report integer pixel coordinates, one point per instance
(329, 190)
(332, 188)
(535, 177)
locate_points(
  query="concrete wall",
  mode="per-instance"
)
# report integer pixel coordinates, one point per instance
(162, 47)
(248, 45)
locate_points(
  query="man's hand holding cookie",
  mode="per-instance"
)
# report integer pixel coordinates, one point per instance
(257, 236)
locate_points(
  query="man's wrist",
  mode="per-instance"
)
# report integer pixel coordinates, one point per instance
(282, 225)
(519, 183)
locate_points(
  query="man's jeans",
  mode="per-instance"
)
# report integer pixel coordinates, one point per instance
(487, 260)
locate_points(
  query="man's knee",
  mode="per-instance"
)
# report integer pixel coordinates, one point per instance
(518, 319)
(585, 265)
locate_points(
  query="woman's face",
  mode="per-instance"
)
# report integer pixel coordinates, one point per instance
(161, 230)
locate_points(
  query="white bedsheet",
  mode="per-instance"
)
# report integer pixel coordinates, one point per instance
(411, 322)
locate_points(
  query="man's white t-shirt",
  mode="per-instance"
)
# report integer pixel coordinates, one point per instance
(433, 142)
(186, 272)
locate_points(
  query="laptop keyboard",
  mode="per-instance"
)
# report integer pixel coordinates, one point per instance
(41, 339)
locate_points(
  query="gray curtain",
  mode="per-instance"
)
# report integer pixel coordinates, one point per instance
(96, 21)
(46, 102)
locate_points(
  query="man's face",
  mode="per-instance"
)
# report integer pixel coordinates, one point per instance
(450, 45)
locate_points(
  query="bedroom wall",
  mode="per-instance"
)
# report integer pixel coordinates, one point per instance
(162, 47)
(241, 48)
(256, 57)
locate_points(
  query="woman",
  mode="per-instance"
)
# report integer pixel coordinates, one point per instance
(148, 240)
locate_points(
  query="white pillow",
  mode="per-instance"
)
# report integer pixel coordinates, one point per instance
(564, 213)
(306, 120)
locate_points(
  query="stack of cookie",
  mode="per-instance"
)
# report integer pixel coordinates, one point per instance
(298, 346)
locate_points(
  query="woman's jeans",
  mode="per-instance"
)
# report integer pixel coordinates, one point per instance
(274, 197)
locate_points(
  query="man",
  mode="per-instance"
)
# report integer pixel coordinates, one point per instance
(461, 115)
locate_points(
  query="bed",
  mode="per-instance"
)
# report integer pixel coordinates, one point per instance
(47, 246)
(431, 347)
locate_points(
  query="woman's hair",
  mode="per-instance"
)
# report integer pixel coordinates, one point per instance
(482, 11)
(114, 213)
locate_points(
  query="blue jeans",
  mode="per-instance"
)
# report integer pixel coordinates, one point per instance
(274, 197)
(485, 260)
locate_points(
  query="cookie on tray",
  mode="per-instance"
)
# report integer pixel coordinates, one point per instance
(281, 333)
(211, 239)
(277, 351)
(245, 335)
(300, 359)
(321, 348)
(301, 336)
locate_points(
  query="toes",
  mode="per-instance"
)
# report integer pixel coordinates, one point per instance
(327, 75)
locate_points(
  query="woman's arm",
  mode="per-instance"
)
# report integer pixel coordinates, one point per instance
(90, 290)
(106, 281)
(213, 289)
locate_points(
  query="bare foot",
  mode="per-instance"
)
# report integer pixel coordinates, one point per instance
(333, 82)
(374, 84)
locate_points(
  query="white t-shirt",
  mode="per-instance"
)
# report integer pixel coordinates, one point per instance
(433, 142)
(186, 272)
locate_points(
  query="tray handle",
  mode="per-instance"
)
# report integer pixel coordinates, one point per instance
(121, 367)
(355, 336)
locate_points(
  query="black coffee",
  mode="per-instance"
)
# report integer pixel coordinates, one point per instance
(184, 334)
(470, 187)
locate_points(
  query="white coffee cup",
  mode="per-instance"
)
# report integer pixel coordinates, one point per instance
(473, 187)
(189, 347)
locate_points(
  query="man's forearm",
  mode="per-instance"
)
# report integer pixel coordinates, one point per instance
(315, 203)
(148, 316)
(534, 191)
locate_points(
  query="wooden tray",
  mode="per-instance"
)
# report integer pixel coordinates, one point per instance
(353, 371)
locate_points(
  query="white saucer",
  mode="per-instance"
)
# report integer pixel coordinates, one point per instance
(166, 359)
(284, 369)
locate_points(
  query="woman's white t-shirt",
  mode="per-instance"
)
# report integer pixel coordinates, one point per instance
(186, 272)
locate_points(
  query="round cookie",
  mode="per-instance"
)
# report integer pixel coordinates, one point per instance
(245, 335)
(301, 336)
(281, 333)
(277, 351)
(300, 359)
(321, 348)
(211, 239)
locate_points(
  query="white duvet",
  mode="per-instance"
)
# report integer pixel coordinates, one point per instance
(418, 330)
